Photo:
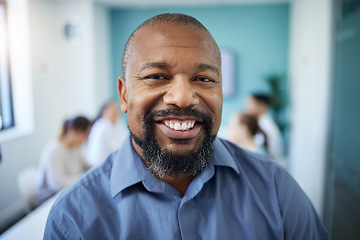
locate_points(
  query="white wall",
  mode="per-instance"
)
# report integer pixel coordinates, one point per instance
(64, 84)
(310, 76)
(103, 66)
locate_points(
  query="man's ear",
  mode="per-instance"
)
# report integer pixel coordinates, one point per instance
(122, 94)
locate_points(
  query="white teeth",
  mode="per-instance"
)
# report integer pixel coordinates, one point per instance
(177, 126)
(180, 126)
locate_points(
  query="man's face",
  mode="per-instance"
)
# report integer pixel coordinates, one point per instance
(173, 72)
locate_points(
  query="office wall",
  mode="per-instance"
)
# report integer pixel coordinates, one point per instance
(64, 84)
(104, 82)
(256, 34)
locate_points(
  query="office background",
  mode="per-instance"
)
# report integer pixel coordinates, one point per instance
(57, 74)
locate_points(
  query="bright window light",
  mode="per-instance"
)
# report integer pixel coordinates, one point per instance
(6, 111)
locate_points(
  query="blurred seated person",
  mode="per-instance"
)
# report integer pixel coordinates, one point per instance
(62, 160)
(257, 105)
(106, 134)
(242, 130)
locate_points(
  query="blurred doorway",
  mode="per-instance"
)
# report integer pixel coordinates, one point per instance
(342, 197)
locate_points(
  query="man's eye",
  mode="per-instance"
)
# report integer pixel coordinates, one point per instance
(156, 77)
(204, 79)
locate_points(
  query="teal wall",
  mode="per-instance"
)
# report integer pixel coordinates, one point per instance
(257, 34)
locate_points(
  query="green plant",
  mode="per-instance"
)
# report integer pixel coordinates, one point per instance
(278, 99)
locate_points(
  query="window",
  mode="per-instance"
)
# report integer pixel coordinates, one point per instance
(6, 107)
(16, 95)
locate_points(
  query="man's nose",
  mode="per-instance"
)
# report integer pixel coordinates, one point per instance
(181, 93)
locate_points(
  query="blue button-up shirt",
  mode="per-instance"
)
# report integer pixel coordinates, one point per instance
(240, 195)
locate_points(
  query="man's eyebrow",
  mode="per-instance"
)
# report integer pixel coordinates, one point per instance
(161, 65)
(212, 68)
(164, 65)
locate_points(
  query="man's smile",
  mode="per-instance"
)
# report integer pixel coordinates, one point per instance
(180, 125)
(179, 129)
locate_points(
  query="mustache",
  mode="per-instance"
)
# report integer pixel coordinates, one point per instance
(171, 112)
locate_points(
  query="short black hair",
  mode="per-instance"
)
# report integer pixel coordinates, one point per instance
(262, 98)
(165, 17)
(78, 123)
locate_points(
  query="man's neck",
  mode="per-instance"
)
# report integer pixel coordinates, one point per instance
(180, 183)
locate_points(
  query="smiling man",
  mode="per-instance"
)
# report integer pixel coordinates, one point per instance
(172, 178)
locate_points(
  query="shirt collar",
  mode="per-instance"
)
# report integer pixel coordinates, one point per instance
(124, 172)
(129, 170)
(223, 157)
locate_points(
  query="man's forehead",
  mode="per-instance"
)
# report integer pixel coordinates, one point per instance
(169, 32)
(153, 42)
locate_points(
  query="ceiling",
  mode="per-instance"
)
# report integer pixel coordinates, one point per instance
(153, 3)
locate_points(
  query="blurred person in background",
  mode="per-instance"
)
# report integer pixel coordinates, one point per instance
(106, 134)
(242, 130)
(257, 105)
(62, 160)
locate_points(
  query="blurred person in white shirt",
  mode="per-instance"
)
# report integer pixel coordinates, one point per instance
(258, 104)
(62, 160)
(106, 135)
(242, 130)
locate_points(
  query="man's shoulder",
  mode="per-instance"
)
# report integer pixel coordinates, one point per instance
(252, 165)
(86, 207)
(244, 157)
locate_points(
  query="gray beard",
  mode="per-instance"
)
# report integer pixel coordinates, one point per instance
(163, 163)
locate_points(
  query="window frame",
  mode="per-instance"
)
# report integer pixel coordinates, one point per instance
(7, 119)
(18, 29)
